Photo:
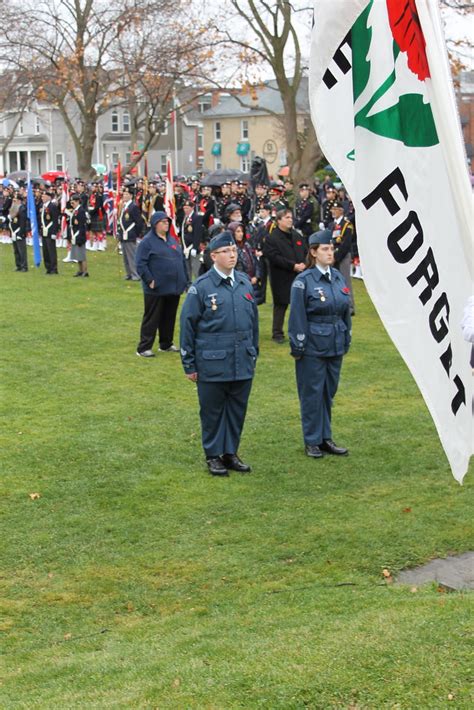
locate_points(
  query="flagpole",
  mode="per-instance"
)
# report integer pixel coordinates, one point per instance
(175, 124)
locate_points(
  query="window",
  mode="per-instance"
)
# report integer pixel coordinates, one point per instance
(217, 131)
(200, 139)
(163, 163)
(115, 159)
(217, 164)
(244, 130)
(128, 158)
(205, 103)
(164, 127)
(115, 122)
(37, 126)
(59, 160)
(245, 163)
(125, 122)
(20, 127)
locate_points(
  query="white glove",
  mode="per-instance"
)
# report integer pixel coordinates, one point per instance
(193, 252)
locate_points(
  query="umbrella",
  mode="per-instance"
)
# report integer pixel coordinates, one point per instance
(22, 176)
(6, 182)
(284, 171)
(218, 177)
(99, 168)
(54, 175)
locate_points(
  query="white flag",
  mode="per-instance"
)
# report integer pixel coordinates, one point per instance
(383, 107)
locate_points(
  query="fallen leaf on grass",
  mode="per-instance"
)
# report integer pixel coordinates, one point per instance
(406, 510)
(388, 577)
(413, 590)
(67, 637)
(176, 683)
(450, 696)
(34, 496)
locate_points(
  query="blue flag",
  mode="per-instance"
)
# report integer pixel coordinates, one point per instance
(31, 211)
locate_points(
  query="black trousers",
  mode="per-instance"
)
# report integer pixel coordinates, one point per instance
(19, 250)
(159, 316)
(50, 255)
(279, 311)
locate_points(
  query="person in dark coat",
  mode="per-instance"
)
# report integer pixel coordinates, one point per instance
(306, 211)
(192, 238)
(286, 252)
(77, 235)
(319, 329)
(18, 223)
(49, 228)
(219, 348)
(162, 269)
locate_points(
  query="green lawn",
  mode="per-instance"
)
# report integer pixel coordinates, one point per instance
(136, 580)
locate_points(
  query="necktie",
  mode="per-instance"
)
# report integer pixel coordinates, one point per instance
(327, 277)
(228, 281)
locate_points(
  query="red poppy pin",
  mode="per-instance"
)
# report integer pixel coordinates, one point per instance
(346, 290)
(407, 33)
(299, 243)
(248, 297)
(173, 246)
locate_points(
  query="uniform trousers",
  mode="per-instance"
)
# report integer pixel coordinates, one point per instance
(159, 316)
(317, 379)
(345, 268)
(279, 310)
(19, 250)
(193, 264)
(50, 255)
(129, 250)
(223, 406)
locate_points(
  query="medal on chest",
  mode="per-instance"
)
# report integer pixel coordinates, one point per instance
(321, 295)
(213, 303)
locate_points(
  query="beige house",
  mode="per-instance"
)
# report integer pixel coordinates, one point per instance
(235, 131)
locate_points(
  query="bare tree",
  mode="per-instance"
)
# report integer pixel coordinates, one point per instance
(274, 42)
(88, 56)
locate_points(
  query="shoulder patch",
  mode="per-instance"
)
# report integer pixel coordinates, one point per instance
(298, 284)
(192, 289)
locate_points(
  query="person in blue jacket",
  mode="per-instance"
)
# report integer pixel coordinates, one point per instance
(319, 330)
(162, 269)
(219, 349)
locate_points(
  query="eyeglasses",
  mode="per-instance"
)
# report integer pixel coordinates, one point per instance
(228, 250)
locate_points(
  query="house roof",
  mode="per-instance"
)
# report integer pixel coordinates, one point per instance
(268, 99)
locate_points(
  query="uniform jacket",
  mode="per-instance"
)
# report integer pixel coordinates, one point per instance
(305, 212)
(193, 230)
(77, 227)
(130, 223)
(342, 238)
(320, 315)
(49, 219)
(219, 329)
(19, 224)
(162, 262)
(283, 250)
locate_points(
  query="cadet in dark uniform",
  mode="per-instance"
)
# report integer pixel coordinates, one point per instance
(49, 227)
(219, 348)
(18, 223)
(319, 329)
(129, 229)
(306, 210)
(77, 234)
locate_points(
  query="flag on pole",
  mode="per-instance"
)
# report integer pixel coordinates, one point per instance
(109, 200)
(170, 207)
(117, 198)
(31, 212)
(384, 111)
(64, 201)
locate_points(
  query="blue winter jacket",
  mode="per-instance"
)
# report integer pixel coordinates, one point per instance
(162, 262)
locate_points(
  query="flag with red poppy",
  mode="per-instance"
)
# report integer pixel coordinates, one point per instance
(170, 207)
(384, 111)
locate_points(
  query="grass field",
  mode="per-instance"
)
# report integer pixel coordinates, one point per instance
(136, 580)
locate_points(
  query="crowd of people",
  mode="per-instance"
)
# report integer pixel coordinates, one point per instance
(225, 247)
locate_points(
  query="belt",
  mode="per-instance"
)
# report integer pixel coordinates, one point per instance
(324, 319)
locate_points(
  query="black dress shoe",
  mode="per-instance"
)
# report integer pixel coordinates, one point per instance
(78, 274)
(332, 448)
(216, 467)
(233, 462)
(280, 339)
(313, 451)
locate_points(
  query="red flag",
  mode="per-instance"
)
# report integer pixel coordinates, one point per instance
(64, 201)
(170, 207)
(117, 197)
